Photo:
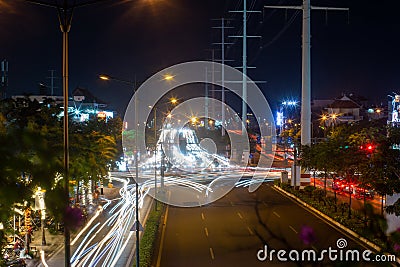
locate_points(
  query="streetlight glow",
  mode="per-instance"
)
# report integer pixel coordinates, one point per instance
(104, 77)
(168, 77)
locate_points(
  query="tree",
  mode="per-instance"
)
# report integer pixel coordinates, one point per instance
(32, 153)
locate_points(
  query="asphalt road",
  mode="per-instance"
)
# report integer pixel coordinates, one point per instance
(231, 231)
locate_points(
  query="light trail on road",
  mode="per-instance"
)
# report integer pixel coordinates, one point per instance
(106, 250)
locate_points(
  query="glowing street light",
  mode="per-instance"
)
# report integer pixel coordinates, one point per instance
(168, 77)
(137, 224)
(104, 77)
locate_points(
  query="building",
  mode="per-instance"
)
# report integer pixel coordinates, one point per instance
(344, 110)
(82, 105)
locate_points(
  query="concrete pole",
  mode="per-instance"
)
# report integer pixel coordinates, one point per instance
(244, 96)
(206, 102)
(306, 76)
(223, 77)
(155, 158)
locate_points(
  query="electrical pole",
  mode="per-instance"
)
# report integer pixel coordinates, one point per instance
(52, 82)
(306, 66)
(244, 62)
(3, 79)
(223, 43)
(206, 101)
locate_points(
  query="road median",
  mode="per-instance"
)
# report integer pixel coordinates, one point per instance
(329, 219)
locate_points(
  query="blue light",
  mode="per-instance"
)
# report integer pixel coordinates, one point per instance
(279, 118)
(289, 103)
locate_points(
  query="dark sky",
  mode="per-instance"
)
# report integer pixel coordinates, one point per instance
(358, 53)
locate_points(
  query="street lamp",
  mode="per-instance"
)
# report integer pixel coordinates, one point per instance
(174, 102)
(155, 155)
(65, 12)
(168, 77)
(137, 222)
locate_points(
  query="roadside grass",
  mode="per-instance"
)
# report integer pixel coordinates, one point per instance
(148, 240)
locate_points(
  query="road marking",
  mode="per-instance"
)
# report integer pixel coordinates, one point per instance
(240, 215)
(276, 214)
(294, 230)
(250, 231)
(202, 216)
(212, 253)
(205, 229)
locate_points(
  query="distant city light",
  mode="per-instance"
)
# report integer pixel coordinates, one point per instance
(279, 118)
(289, 103)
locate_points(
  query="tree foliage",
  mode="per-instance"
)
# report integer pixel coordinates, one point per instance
(31, 149)
(345, 154)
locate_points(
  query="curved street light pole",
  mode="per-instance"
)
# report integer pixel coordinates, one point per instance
(65, 19)
(65, 11)
(136, 122)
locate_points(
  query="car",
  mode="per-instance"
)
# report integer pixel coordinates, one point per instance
(368, 193)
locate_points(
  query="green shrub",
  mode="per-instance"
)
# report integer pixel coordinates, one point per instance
(148, 239)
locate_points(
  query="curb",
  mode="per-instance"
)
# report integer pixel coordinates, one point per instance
(329, 219)
(133, 252)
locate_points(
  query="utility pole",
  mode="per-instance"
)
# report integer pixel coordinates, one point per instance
(223, 43)
(52, 77)
(306, 66)
(244, 61)
(206, 100)
(3, 79)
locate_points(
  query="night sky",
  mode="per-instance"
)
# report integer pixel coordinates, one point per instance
(351, 53)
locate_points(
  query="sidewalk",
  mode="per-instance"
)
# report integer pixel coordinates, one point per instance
(55, 242)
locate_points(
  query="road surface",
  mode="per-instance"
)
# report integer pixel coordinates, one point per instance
(231, 231)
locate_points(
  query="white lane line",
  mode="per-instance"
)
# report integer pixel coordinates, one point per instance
(294, 230)
(276, 214)
(250, 231)
(212, 253)
(206, 230)
(202, 216)
(240, 215)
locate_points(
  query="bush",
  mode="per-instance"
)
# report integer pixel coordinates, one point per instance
(149, 237)
(309, 189)
(331, 202)
(319, 195)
